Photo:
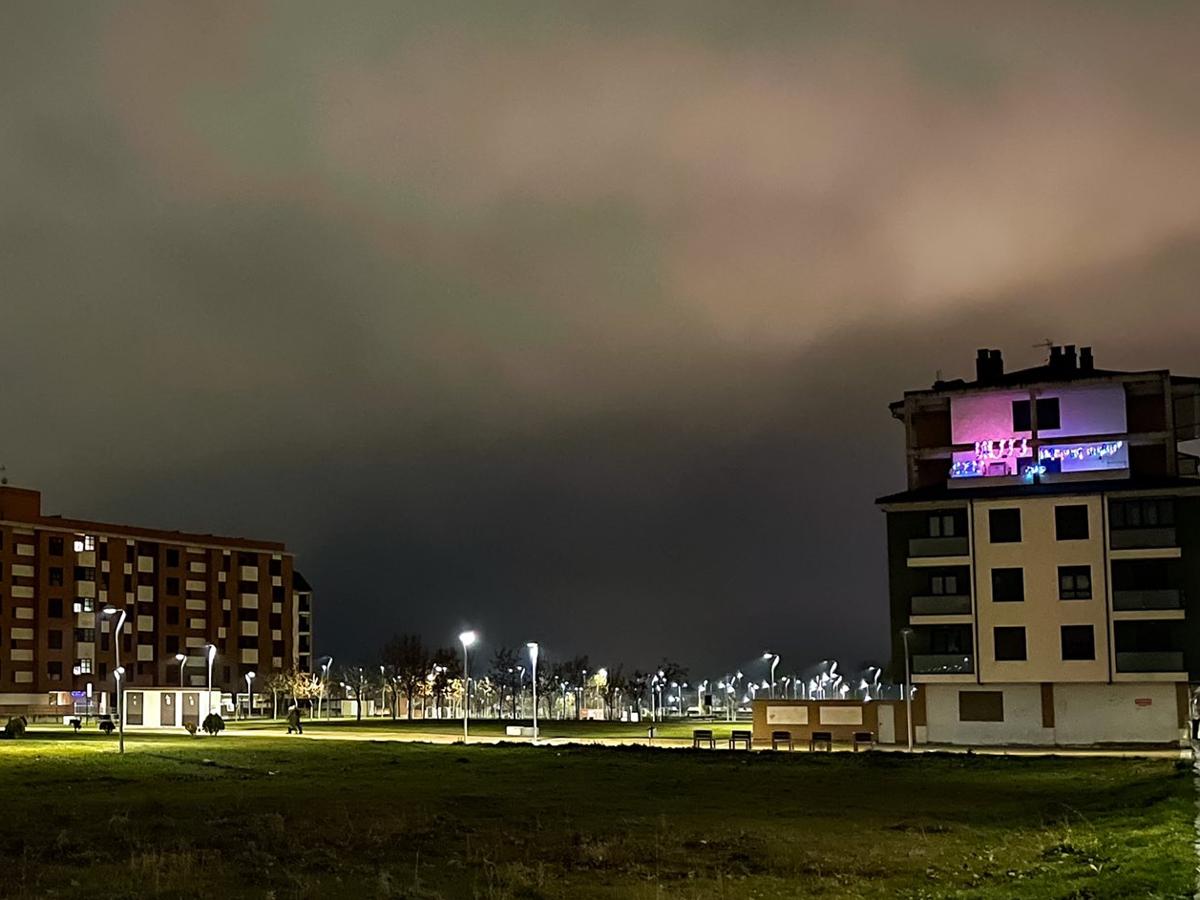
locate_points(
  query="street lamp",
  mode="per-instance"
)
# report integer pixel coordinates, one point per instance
(118, 634)
(467, 638)
(774, 658)
(118, 673)
(906, 633)
(182, 661)
(325, 666)
(211, 653)
(533, 655)
(249, 696)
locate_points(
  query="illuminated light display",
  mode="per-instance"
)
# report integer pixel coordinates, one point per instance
(993, 458)
(1081, 451)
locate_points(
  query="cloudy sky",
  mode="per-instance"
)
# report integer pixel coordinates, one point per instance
(570, 322)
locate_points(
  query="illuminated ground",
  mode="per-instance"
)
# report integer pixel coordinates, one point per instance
(292, 817)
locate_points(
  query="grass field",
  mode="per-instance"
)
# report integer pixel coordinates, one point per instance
(254, 816)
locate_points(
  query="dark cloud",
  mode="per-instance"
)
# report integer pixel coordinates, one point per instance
(569, 323)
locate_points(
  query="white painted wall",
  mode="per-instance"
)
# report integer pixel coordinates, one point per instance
(1109, 713)
(1022, 717)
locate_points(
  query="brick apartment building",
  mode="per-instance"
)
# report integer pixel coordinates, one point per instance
(180, 592)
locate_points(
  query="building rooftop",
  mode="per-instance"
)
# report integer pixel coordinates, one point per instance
(942, 492)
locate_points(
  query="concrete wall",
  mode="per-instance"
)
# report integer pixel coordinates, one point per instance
(1022, 716)
(152, 705)
(842, 718)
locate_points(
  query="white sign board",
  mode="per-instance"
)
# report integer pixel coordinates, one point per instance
(841, 715)
(787, 715)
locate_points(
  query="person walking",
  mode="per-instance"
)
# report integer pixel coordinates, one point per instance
(293, 720)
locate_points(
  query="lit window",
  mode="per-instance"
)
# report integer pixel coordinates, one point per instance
(83, 666)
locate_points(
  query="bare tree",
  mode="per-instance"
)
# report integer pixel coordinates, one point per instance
(407, 660)
(505, 676)
(360, 684)
(447, 666)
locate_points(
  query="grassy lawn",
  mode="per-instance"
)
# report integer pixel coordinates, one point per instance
(548, 728)
(287, 817)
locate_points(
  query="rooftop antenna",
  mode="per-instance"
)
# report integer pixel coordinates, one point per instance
(1045, 345)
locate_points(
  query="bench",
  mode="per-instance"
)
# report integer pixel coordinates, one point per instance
(703, 736)
(821, 737)
(863, 737)
(740, 736)
(781, 737)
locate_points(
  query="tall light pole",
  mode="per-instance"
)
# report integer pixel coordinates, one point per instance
(249, 695)
(182, 660)
(117, 635)
(210, 651)
(774, 658)
(325, 666)
(906, 633)
(467, 638)
(533, 655)
(118, 673)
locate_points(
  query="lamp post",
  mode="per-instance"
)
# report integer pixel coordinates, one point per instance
(533, 655)
(211, 653)
(325, 666)
(249, 696)
(117, 635)
(774, 658)
(182, 660)
(467, 638)
(118, 674)
(905, 633)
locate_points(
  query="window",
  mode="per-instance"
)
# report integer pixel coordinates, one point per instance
(85, 573)
(84, 605)
(943, 584)
(1078, 642)
(54, 671)
(247, 559)
(1047, 415)
(1008, 585)
(248, 587)
(247, 614)
(1004, 526)
(942, 525)
(54, 639)
(84, 666)
(1158, 513)
(981, 706)
(172, 557)
(1071, 523)
(276, 567)
(172, 615)
(172, 644)
(277, 594)
(54, 608)
(248, 643)
(84, 542)
(85, 635)
(56, 546)
(56, 576)
(173, 586)
(1074, 582)
(1010, 643)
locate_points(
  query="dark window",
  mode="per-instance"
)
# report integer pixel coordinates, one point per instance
(1021, 420)
(277, 648)
(172, 558)
(247, 615)
(103, 549)
(146, 579)
(54, 639)
(1004, 526)
(943, 584)
(54, 671)
(56, 576)
(277, 594)
(276, 620)
(247, 643)
(172, 643)
(276, 567)
(56, 546)
(942, 525)
(248, 587)
(1010, 643)
(1078, 642)
(1008, 585)
(1047, 414)
(1074, 582)
(1141, 513)
(981, 706)
(85, 635)
(1071, 523)
(85, 573)
(172, 615)
(128, 583)
(54, 608)
(247, 559)
(225, 559)
(104, 641)
(173, 587)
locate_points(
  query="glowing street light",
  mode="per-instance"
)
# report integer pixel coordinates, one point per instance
(249, 696)
(467, 638)
(112, 611)
(533, 655)
(118, 674)
(211, 653)
(182, 660)
(774, 658)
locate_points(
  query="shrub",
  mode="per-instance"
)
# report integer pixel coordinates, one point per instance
(213, 724)
(107, 726)
(15, 727)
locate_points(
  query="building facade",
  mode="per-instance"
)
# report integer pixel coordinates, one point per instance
(64, 584)
(1044, 563)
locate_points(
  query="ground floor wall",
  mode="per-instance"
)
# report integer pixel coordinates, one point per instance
(841, 719)
(1059, 714)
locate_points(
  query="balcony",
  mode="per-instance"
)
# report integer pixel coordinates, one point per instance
(942, 605)
(1141, 538)
(937, 546)
(942, 664)
(1150, 661)
(1161, 598)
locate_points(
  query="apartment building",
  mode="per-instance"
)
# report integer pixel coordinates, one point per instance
(1044, 562)
(66, 583)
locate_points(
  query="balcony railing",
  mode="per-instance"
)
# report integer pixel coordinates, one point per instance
(1164, 598)
(938, 546)
(1141, 538)
(942, 605)
(1150, 661)
(942, 664)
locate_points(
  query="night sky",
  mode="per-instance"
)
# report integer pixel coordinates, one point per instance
(568, 322)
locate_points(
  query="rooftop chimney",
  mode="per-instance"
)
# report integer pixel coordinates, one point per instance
(981, 364)
(1086, 363)
(1069, 361)
(996, 364)
(1056, 358)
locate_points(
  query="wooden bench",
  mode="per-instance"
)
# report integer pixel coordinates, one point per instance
(863, 737)
(739, 736)
(781, 737)
(703, 736)
(821, 737)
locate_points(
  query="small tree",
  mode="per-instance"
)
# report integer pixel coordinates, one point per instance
(277, 683)
(447, 666)
(505, 675)
(408, 663)
(360, 684)
(213, 724)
